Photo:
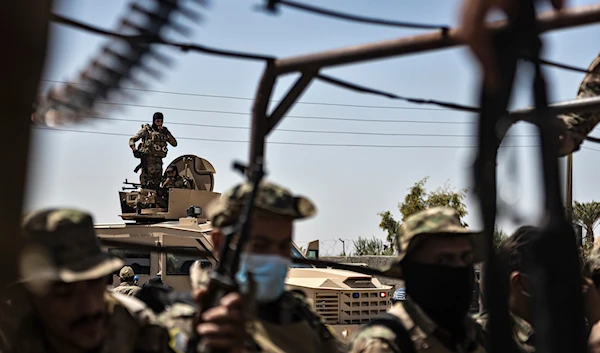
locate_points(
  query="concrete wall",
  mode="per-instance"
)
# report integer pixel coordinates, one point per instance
(378, 262)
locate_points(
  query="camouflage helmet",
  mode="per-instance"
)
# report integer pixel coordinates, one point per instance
(438, 221)
(270, 198)
(62, 246)
(126, 272)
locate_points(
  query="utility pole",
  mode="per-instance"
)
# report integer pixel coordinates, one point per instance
(569, 189)
(343, 246)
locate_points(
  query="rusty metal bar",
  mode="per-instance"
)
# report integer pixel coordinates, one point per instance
(293, 94)
(583, 105)
(547, 21)
(259, 112)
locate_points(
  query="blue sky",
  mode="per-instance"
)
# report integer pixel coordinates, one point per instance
(349, 185)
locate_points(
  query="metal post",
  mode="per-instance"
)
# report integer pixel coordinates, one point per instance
(569, 189)
(259, 113)
(291, 97)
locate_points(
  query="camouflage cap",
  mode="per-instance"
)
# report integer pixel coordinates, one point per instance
(439, 221)
(126, 272)
(270, 198)
(63, 247)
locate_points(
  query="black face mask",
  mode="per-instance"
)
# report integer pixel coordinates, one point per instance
(443, 292)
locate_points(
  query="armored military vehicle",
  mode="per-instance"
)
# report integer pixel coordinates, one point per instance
(344, 299)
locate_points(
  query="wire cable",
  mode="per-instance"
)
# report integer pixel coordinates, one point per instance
(156, 40)
(278, 142)
(252, 99)
(355, 87)
(271, 5)
(290, 116)
(560, 65)
(304, 131)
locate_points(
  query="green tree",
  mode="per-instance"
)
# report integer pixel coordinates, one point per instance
(587, 215)
(418, 199)
(364, 246)
(499, 236)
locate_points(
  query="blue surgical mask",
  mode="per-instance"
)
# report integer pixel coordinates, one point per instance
(268, 274)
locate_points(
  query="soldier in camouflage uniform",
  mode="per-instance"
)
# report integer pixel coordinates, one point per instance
(511, 254)
(66, 307)
(436, 257)
(152, 150)
(578, 126)
(174, 180)
(277, 321)
(127, 286)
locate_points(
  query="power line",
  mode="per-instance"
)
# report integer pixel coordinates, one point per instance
(591, 149)
(304, 131)
(291, 116)
(277, 142)
(271, 5)
(251, 99)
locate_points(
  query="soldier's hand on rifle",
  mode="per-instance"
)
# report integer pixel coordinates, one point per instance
(223, 327)
(474, 34)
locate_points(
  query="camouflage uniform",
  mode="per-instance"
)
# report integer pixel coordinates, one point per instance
(523, 333)
(287, 325)
(423, 332)
(127, 287)
(177, 182)
(582, 124)
(63, 248)
(154, 148)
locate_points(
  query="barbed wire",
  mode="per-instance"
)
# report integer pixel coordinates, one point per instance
(157, 40)
(358, 88)
(271, 5)
(250, 56)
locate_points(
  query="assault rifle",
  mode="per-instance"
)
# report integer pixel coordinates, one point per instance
(222, 279)
(142, 156)
(134, 186)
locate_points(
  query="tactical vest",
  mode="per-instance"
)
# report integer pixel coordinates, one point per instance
(132, 328)
(127, 289)
(155, 143)
(422, 330)
(309, 335)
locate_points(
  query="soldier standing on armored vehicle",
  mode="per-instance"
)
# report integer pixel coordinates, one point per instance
(152, 150)
(436, 257)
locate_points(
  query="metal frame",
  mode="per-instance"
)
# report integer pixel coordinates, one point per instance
(485, 179)
(309, 66)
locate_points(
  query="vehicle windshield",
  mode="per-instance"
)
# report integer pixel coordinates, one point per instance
(296, 254)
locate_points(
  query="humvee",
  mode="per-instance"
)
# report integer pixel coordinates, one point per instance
(344, 299)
